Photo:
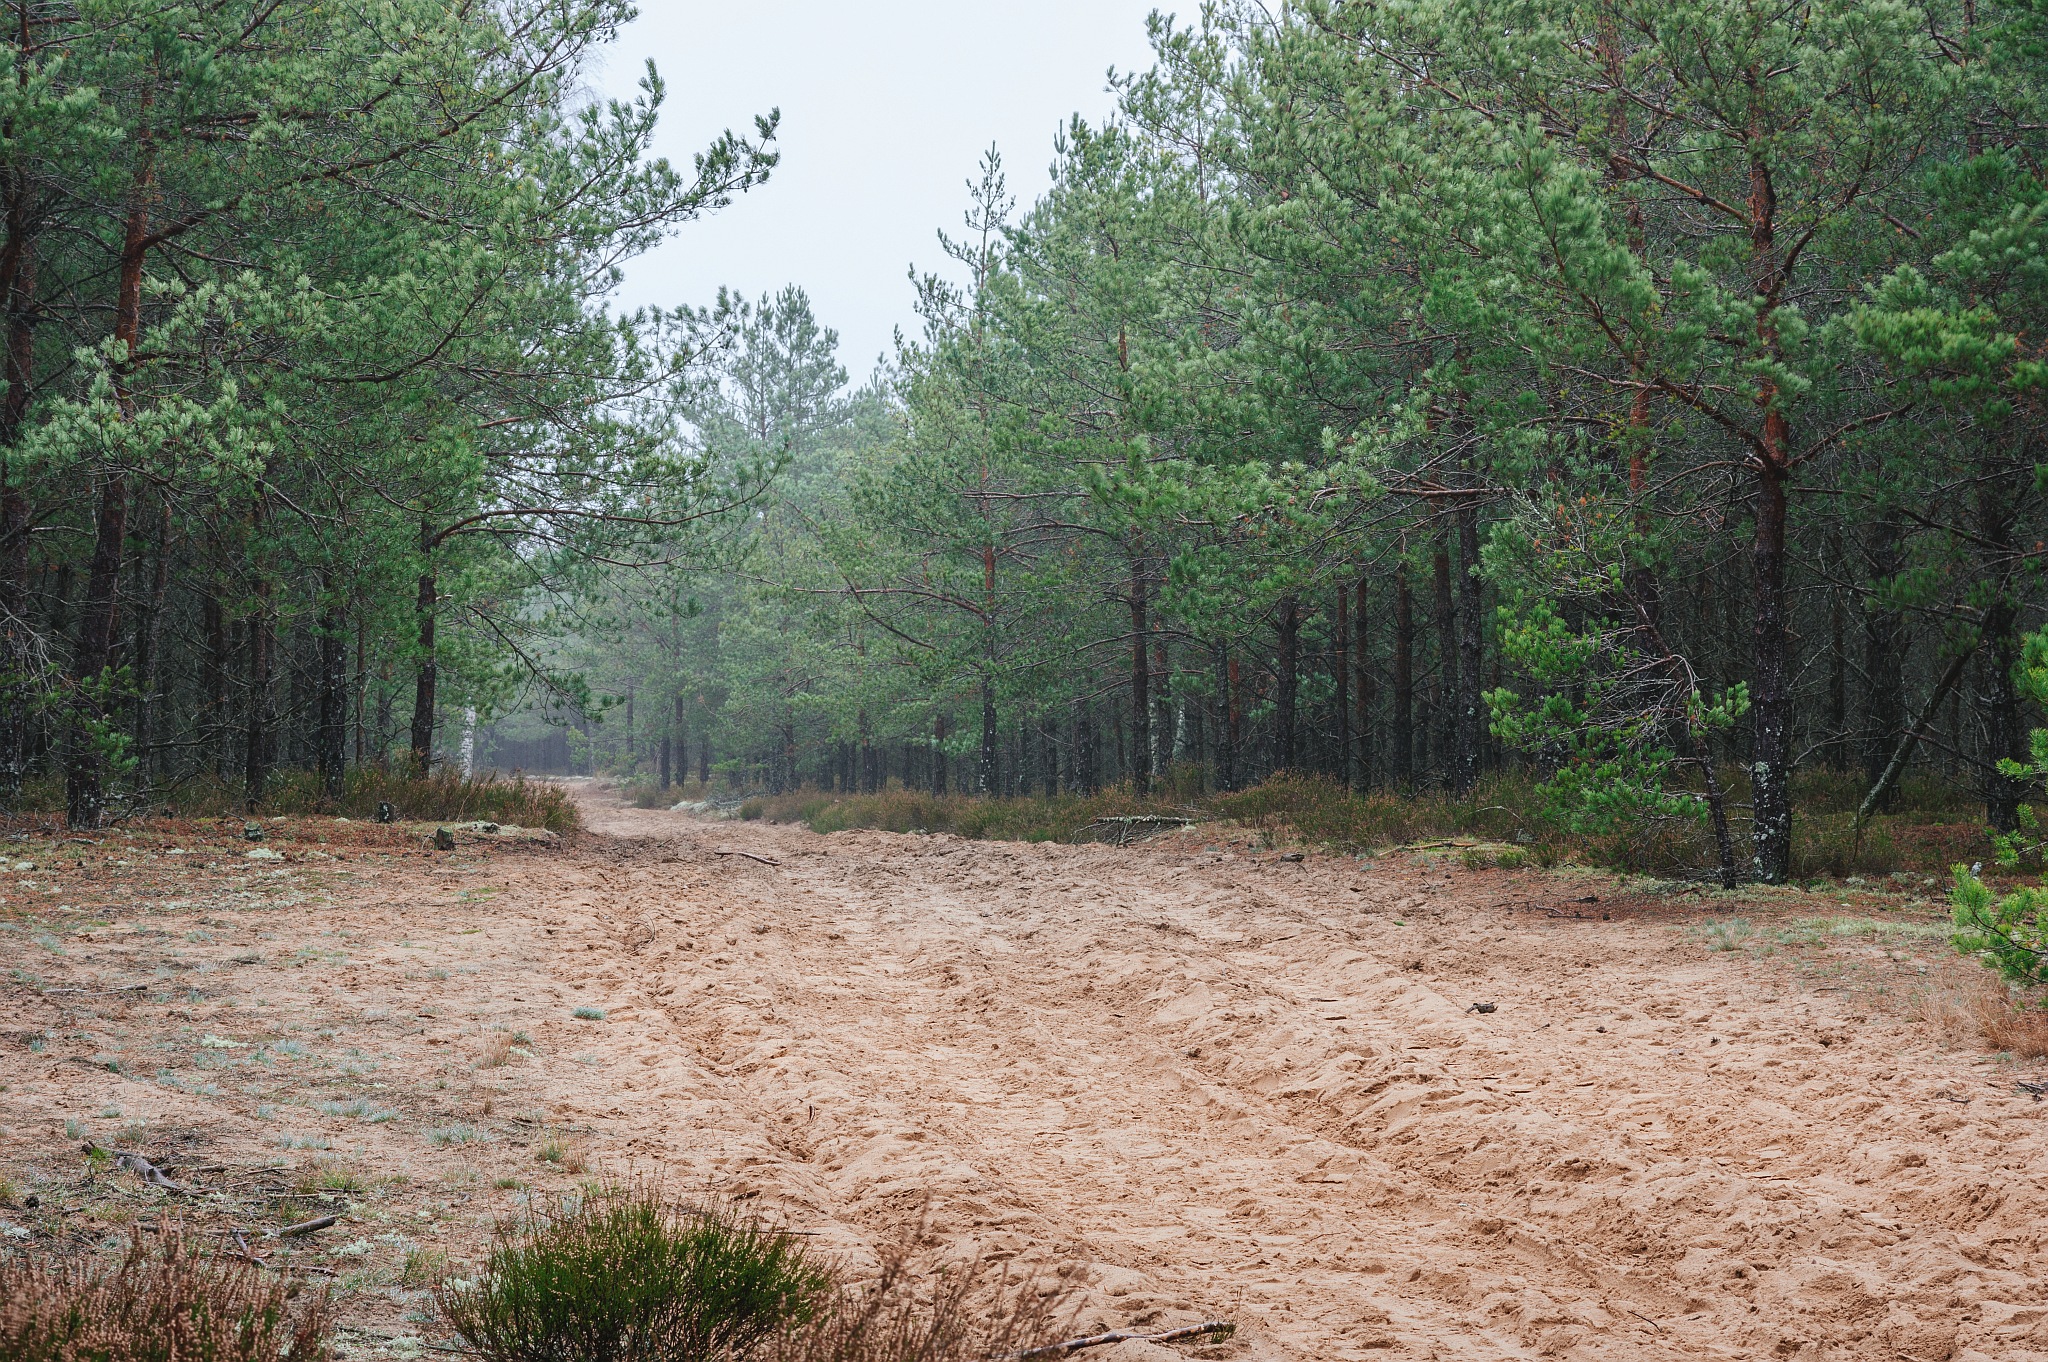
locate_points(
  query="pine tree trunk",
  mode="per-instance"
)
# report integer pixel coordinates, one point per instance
(17, 660)
(1838, 736)
(1446, 691)
(215, 680)
(1288, 737)
(1362, 661)
(704, 762)
(868, 781)
(1884, 714)
(1226, 713)
(2005, 736)
(149, 650)
(1141, 680)
(1471, 705)
(426, 676)
(1770, 669)
(942, 727)
(1402, 738)
(1163, 737)
(1340, 672)
(85, 800)
(1770, 682)
(987, 773)
(359, 692)
(1086, 765)
(256, 744)
(333, 755)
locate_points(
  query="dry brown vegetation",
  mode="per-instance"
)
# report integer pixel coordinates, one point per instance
(1934, 827)
(162, 1301)
(446, 797)
(1971, 1009)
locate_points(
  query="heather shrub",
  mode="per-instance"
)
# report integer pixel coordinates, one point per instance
(623, 1274)
(156, 1305)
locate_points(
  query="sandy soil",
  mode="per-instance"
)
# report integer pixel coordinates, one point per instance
(1219, 1084)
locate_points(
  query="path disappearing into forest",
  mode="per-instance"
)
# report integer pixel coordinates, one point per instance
(1233, 1086)
(1208, 1081)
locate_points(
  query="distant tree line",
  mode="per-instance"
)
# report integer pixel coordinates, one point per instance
(1630, 392)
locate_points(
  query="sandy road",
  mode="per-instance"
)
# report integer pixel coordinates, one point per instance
(1211, 1083)
(1248, 1088)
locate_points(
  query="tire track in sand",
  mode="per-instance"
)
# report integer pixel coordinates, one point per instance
(1255, 1091)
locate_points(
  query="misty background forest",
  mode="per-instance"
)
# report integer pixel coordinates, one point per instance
(1625, 416)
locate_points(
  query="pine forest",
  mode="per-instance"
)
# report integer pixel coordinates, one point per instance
(1629, 407)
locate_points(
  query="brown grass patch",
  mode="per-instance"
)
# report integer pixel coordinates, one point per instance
(497, 1050)
(1971, 1010)
(444, 797)
(155, 1306)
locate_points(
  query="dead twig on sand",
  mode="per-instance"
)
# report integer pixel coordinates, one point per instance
(749, 855)
(1074, 1345)
(304, 1227)
(140, 1166)
(1129, 826)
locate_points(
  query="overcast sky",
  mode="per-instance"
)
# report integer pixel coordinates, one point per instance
(886, 108)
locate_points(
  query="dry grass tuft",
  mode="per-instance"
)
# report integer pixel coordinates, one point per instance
(1972, 1010)
(155, 1306)
(497, 1050)
(962, 1312)
(2013, 1029)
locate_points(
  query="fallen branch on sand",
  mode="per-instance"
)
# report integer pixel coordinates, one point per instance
(140, 1166)
(749, 855)
(305, 1227)
(1074, 1345)
(1125, 826)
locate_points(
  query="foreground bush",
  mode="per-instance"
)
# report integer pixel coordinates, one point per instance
(624, 1275)
(167, 1305)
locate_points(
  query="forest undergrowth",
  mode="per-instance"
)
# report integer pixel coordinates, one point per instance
(446, 796)
(1934, 826)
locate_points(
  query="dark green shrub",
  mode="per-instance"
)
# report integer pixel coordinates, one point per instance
(625, 1275)
(169, 1305)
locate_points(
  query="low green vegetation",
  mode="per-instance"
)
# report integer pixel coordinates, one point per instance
(622, 1273)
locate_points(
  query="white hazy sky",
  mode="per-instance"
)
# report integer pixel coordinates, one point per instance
(886, 108)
